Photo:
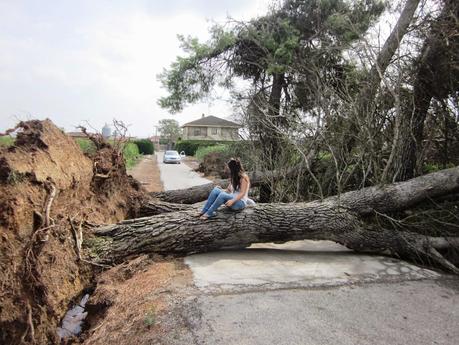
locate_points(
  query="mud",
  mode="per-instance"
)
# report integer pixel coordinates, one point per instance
(40, 272)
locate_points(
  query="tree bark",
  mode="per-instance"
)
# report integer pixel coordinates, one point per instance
(337, 219)
(370, 86)
(155, 207)
(270, 138)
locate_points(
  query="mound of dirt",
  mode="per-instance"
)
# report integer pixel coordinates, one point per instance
(213, 165)
(46, 182)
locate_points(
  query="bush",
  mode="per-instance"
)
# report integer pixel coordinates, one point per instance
(191, 146)
(204, 150)
(131, 154)
(145, 146)
(86, 145)
(6, 141)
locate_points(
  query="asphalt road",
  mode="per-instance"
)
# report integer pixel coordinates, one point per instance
(404, 313)
(178, 176)
(311, 293)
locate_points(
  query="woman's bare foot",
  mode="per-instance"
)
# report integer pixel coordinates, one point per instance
(204, 217)
(199, 214)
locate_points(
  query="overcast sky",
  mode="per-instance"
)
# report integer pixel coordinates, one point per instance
(94, 60)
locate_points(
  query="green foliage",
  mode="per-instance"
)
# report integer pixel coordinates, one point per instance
(131, 154)
(325, 156)
(145, 146)
(191, 146)
(188, 79)
(204, 150)
(298, 36)
(131, 151)
(433, 167)
(6, 141)
(86, 145)
(170, 130)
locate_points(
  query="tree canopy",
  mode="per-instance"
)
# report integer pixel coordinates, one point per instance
(299, 33)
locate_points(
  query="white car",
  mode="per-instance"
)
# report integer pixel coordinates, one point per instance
(172, 157)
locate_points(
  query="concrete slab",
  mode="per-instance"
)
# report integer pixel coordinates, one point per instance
(178, 176)
(295, 264)
(421, 313)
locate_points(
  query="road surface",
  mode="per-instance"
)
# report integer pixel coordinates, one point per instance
(178, 176)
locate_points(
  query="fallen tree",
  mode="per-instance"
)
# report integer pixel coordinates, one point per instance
(196, 194)
(155, 207)
(338, 218)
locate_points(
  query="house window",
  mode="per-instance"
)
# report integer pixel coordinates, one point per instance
(197, 132)
(214, 130)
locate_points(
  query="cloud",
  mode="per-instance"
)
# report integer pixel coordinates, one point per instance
(97, 60)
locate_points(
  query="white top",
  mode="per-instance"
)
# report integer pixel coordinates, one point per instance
(245, 198)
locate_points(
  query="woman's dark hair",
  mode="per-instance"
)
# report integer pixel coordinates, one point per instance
(236, 169)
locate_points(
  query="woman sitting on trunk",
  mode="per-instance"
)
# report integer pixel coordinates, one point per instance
(235, 196)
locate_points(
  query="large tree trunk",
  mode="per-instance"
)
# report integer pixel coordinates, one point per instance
(371, 85)
(270, 138)
(336, 218)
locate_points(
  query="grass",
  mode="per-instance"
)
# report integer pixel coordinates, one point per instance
(130, 151)
(202, 151)
(6, 141)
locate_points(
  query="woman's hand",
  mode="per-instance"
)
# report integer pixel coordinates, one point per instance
(230, 203)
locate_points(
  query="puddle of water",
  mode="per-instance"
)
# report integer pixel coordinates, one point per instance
(73, 320)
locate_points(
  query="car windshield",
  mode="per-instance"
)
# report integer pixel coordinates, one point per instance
(172, 153)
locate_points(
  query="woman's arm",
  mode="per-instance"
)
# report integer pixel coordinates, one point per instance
(240, 195)
(229, 189)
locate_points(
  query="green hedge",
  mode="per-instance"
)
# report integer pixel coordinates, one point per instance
(191, 146)
(6, 141)
(86, 145)
(146, 147)
(205, 150)
(131, 154)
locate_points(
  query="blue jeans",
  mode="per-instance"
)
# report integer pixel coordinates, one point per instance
(218, 197)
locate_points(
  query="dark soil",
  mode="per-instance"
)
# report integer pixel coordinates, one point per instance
(40, 270)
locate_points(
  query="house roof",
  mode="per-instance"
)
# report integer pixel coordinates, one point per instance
(76, 134)
(212, 121)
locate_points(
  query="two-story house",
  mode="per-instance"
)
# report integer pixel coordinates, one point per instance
(211, 128)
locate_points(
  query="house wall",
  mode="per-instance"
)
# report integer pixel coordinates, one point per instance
(210, 133)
